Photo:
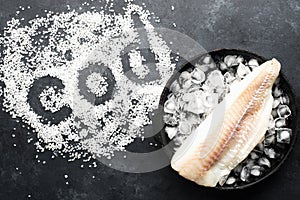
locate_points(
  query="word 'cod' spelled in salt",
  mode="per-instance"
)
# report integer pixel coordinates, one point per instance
(82, 56)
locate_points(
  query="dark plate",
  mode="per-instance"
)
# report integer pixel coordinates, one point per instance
(218, 55)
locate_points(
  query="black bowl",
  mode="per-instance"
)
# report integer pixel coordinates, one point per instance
(218, 55)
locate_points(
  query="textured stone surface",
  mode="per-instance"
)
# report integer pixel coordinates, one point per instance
(268, 28)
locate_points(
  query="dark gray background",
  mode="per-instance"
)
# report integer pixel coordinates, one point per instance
(270, 28)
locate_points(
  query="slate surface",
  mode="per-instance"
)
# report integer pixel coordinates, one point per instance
(268, 28)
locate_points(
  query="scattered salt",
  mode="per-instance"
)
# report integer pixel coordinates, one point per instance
(52, 100)
(65, 46)
(97, 84)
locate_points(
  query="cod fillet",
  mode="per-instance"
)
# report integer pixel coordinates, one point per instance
(231, 131)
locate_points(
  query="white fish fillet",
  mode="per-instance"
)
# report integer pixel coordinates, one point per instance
(231, 131)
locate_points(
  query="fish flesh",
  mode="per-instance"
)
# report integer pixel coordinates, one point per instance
(231, 131)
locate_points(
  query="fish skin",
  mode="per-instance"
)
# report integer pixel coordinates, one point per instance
(211, 152)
